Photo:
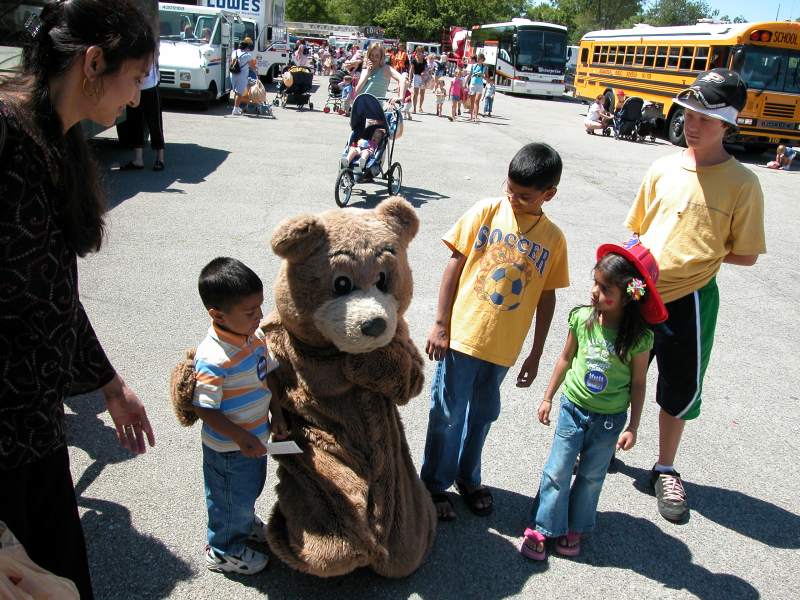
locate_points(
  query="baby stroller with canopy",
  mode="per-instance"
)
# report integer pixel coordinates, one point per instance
(294, 87)
(627, 118)
(335, 100)
(366, 116)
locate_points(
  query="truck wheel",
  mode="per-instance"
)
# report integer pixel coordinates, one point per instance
(675, 128)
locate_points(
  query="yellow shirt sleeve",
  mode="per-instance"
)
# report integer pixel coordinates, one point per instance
(747, 225)
(558, 277)
(461, 235)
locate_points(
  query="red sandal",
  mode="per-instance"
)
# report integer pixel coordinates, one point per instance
(530, 539)
(569, 545)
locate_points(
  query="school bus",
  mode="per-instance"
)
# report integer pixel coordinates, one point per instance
(655, 63)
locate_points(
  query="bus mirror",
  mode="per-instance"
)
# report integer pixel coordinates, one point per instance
(738, 59)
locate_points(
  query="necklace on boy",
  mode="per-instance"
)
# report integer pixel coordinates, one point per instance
(527, 231)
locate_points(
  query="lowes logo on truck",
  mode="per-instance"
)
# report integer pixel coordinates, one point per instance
(248, 6)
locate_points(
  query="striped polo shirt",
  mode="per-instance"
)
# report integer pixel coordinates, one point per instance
(231, 376)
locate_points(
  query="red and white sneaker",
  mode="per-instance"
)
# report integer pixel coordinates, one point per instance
(248, 562)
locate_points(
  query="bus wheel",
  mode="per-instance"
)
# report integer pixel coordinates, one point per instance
(675, 128)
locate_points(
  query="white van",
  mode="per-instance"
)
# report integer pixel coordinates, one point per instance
(569, 69)
(426, 47)
(196, 44)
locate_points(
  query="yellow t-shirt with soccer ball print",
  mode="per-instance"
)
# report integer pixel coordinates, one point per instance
(510, 260)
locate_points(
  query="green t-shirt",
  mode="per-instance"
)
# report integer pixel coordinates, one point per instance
(597, 379)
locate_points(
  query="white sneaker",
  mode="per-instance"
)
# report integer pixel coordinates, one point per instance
(259, 532)
(248, 562)
(236, 112)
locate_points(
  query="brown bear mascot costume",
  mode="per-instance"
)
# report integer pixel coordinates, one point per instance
(352, 498)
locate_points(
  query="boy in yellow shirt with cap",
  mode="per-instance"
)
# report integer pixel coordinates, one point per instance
(695, 210)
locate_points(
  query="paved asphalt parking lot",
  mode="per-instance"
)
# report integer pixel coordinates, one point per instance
(230, 181)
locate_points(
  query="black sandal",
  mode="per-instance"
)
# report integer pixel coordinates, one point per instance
(158, 166)
(130, 166)
(472, 498)
(442, 498)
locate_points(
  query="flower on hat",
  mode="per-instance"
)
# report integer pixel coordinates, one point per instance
(636, 289)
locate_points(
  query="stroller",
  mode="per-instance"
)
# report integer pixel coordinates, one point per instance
(294, 87)
(368, 115)
(335, 102)
(257, 98)
(632, 122)
(626, 119)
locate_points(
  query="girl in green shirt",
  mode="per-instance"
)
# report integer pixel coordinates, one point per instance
(603, 369)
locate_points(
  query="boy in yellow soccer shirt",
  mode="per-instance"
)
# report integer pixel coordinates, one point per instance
(507, 261)
(694, 211)
(233, 396)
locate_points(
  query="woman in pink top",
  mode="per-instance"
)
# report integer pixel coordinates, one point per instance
(455, 94)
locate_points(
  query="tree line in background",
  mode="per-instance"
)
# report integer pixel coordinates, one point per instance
(424, 20)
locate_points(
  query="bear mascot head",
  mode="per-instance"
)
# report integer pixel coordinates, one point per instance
(352, 498)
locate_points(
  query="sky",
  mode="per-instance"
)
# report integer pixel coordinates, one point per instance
(758, 10)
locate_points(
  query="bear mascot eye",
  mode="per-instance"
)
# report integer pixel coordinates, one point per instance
(342, 285)
(383, 282)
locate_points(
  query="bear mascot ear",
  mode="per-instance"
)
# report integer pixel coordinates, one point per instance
(297, 238)
(400, 216)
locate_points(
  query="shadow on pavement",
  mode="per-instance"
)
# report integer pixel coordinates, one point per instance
(751, 517)
(472, 559)
(185, 163)
(123, 562)
(638, 545)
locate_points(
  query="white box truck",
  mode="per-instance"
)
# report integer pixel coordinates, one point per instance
(264, 22)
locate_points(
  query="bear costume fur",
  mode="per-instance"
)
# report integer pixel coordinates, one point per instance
(353, 497)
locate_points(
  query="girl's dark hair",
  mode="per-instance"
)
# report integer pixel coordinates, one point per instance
(619, 271)
(67, 28)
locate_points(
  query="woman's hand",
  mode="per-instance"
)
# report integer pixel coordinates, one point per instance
(544, 411)
(129, 416)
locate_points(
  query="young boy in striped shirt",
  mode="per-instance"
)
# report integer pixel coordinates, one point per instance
(234, 393)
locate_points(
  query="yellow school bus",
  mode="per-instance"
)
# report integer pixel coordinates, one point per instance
(655, 63)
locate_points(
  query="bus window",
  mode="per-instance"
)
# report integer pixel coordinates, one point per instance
(700, 58)
(639, 56)
(650, 56)
(661, 57)
(596, 54)
(719, 57)
(584, 55)
(604, 54)
(629, 55)
(687, 55)
(763, 68)
(793, 74)
(674, 53)
(620, 54)
(612, 55)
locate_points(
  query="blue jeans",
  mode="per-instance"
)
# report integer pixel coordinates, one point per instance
(233, 482)
(557, 509)
(487, 104)
(465, 401)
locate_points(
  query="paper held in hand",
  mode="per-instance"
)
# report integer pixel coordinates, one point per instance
(283, 448)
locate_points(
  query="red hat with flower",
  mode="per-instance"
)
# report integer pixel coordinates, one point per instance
(645, 292)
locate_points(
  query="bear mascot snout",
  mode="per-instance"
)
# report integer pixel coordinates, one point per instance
(353, 497)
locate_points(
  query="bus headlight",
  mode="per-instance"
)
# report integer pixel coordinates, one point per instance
(185, 76)
(742, 121)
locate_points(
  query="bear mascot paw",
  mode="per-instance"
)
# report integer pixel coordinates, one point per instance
(353, 497)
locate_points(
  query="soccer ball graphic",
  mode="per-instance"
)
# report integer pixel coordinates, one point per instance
(505, 285)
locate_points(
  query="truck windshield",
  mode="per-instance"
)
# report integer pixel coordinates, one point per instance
(542, 51)
(771, 69)
(186, 26)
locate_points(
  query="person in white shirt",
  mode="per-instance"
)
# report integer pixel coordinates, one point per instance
(597, 117)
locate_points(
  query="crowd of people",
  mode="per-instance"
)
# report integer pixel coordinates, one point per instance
(79, 67)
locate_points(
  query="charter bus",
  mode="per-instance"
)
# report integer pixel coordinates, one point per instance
(655, 63)
(525, 57)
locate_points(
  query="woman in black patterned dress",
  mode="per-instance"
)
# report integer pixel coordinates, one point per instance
(85, 60)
